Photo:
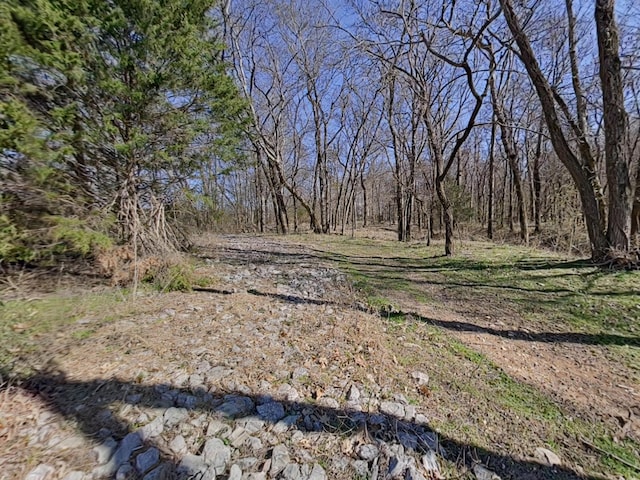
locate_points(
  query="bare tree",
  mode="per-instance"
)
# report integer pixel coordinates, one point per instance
(604, 233)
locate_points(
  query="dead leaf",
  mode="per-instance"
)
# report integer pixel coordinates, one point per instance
(346, 446)
(19, 327)
(424, 390)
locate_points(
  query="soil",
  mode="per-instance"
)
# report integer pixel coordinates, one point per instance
(286, 325)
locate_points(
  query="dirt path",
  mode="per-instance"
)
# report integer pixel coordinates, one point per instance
(584, 378)
(277, 370)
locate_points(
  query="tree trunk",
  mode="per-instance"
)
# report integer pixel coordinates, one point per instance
(537, 183)
(365, 207)
(447, 216)
(616, 127)
(491, 182)
(635, 212)
(585, 179)
(512, 157)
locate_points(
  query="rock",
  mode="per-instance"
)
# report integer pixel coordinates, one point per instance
(235, 472)
(279, 459)
(300, 374)
(286, 423)
(257, 476)
(367, 451)
(203, 367)
(127, 446)
(41, 472)
(547, 457)
(430, 439)
(187, 401)
(420, 378)
(397, 466)
(74, 475)
(393, 408)
(292, 472)
(254, 443)
(421, 419)
(251, 424)
(238, 437)
(105, 450)
(317, 473)
(354, 394)
(409, 412)
(152, 430)
(482, 473)
(133, 398)
(196, 381)
(174, 416)
(192, 464)
(158, 473)
(125, 472)
(147, 460)
(271, 411)
(361, 468)
(430, 462)
(288, 392)
(216, 374)
(328, 402)
(408, 440)
(215, 427)
(246, 462)
(178, 445)
(180, 379)
(216, 454)
(235, 406)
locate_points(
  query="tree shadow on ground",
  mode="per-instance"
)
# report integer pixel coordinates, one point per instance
(85, 403)
(546, 337)
(457, 325)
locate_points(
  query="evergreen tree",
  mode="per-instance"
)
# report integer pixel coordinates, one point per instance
(116, 100)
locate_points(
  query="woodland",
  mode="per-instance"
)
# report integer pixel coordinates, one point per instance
(311, 239)
(137, 123)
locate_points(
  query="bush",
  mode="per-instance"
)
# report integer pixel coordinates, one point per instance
(13, 247)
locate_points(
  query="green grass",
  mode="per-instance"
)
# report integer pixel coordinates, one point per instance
(564, 293)
(566, 299)
(23, 323)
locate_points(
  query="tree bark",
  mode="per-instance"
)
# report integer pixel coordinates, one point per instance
(585, 179)
(512, 157)
(490, 208)
(616, 127)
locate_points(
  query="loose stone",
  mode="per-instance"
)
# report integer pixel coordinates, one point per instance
(235, 473)
(235, 406)
(367, 452)
(392, 408)
(279, 459)
(147, 460)
(178, 445)
(41, 472)
(216, 454)
(271, 411)
(174, 416)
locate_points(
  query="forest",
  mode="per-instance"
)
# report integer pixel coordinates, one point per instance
(135, 122)
(319, 239)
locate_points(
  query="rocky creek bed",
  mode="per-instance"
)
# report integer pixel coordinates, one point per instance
(275, 371)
